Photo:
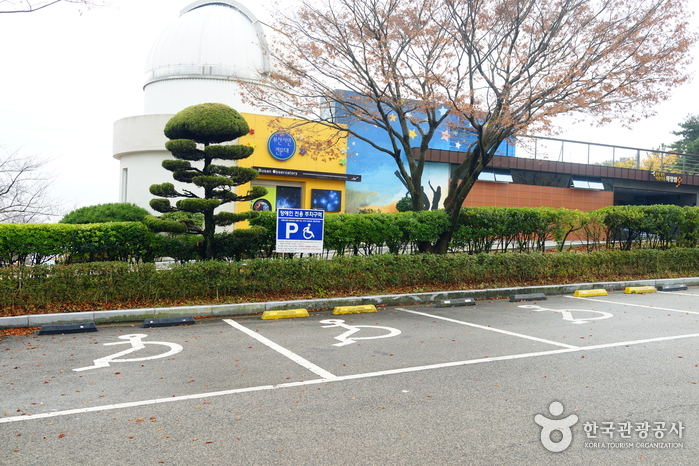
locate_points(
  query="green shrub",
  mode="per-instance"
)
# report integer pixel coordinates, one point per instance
(101, 285)
(36, 243)
(266, 242)
(485, 229)
(660, 224)
(240, 243)
(405, 204)
(623, 224)
(123, 241)
(688, 234)
(103, 213)
(180, 248)
(32, 244)
(480, 229)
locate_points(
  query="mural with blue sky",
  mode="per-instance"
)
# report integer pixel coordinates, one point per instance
(381, 188)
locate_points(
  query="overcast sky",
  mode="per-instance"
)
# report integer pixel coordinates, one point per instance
(67, 77)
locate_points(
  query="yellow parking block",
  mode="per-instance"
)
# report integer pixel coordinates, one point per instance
(640, 289)
(285, 314)
(354, 309)
(597, 292)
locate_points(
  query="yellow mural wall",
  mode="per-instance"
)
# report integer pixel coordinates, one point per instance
(317, 150)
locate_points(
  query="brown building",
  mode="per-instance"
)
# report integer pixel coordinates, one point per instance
(524, 182)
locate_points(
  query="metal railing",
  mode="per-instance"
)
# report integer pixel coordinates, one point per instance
(566, 150)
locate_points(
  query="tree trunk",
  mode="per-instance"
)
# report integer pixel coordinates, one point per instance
(209, 232)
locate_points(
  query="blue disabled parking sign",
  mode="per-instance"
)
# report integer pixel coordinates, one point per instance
(300, 230)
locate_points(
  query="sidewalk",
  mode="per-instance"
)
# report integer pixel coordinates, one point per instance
(222, 310)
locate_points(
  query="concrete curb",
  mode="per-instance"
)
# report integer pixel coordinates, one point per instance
(222, 310)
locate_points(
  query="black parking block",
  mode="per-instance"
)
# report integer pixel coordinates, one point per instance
(672, 287)
(168, 322)
(457, 302)
(68, 328)
(528, 297)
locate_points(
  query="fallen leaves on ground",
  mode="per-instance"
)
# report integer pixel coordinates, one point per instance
(17, 332)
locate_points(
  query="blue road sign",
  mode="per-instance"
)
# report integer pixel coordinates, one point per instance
(300, 230)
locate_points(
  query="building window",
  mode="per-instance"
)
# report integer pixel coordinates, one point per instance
(498, 176)
(329, 200)
(124, 183)
(587, 183)
(278, 196)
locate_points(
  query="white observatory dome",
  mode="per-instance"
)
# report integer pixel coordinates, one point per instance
(202, 55)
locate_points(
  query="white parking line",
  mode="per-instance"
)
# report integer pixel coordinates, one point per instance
(640, 342)
(632, 305)
(197, 396)
(482, 327)
(283, 351)
(133, 404)
(678, 293)
(171, 399)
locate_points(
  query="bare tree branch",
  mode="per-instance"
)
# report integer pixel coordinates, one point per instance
(24, 189)
(532, 60)
(30, 6)
(390, 61)
(497, 68)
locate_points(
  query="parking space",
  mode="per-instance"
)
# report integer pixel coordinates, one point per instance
(423, 340)
(587, 322)
(563, 343)
(54, 373)
(122, 364)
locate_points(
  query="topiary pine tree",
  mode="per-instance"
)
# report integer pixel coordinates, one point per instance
(196, 135)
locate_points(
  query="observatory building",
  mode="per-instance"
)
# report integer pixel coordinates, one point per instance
(213, 46)
(201, 58)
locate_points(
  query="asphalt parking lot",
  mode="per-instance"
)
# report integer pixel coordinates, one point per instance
(607, 379)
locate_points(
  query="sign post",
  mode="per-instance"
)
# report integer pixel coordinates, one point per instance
(300, 230)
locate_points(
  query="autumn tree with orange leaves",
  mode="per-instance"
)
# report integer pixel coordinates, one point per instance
(373, 62)
(500, 68)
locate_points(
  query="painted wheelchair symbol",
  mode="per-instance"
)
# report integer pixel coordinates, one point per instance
(568, 313)
(307, 233)
(136, 344)
(347, 339)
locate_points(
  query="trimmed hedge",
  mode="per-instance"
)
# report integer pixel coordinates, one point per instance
(480, 229)
(38, 243)
(117, 284)
(484, 229)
